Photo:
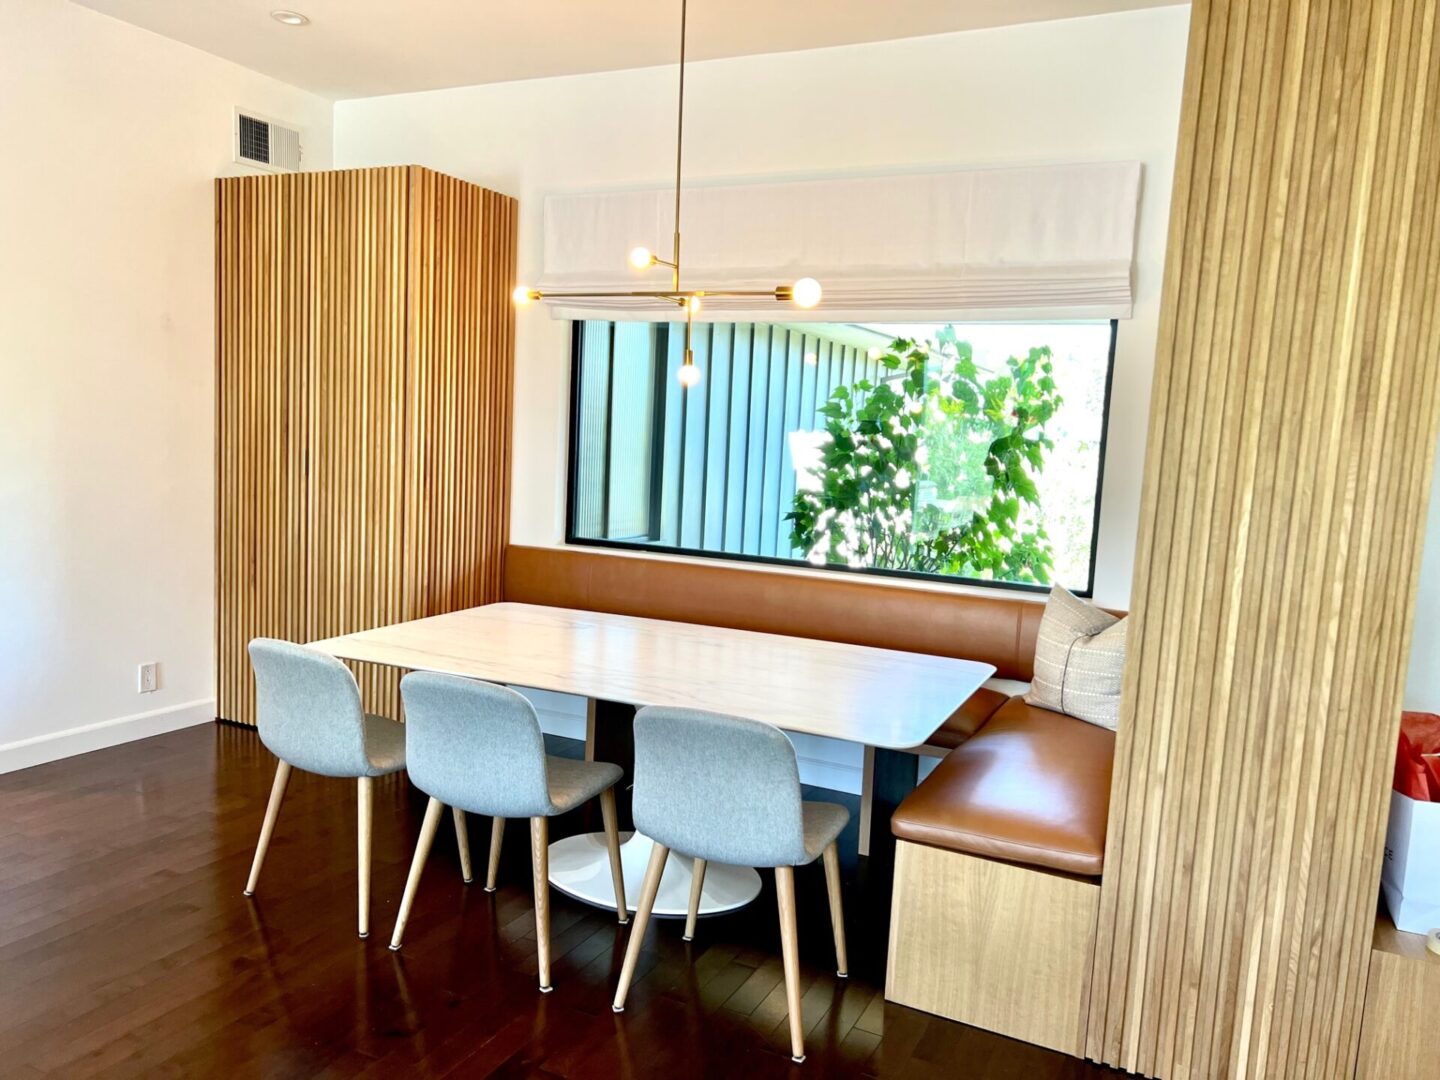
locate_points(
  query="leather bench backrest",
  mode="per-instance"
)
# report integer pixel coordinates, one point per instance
(996, 629)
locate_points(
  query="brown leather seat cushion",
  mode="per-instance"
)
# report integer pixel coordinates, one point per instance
(969, 718)
(1032, 787)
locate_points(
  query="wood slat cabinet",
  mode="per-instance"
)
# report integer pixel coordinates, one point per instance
(364, 370)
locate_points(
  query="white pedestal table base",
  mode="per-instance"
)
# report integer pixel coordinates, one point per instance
(580, 867)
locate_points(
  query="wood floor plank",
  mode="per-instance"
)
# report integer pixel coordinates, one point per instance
(127, 950)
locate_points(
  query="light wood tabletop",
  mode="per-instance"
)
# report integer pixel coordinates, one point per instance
(879, 697)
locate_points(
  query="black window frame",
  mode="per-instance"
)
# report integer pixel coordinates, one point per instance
(572, 466)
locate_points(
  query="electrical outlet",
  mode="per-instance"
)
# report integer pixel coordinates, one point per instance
(150, 677)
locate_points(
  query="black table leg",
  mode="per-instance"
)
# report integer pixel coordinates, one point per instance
(612, 738)
(896, 774)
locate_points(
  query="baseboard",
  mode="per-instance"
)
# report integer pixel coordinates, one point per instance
(561, 723)
(830, 775)
(123, 729)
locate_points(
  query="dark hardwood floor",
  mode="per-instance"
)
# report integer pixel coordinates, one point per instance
(126, 948)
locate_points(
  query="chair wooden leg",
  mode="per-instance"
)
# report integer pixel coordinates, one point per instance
(612, 841)
(837, 909)
(272, 811)
(648, 889)
(364, 821)
(790, 953)
(417, 866)
(697, 883)
(462, 841)
(497, 834)
(540, 865)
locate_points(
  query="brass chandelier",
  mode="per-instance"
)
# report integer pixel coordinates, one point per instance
(804, 293)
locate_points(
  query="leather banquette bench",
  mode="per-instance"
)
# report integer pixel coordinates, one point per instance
(1000, 849)
(997, 871)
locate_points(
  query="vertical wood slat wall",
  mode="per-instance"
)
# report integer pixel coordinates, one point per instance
(364, 369)
(1293, 423)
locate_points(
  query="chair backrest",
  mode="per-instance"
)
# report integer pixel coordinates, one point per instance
(474, 745)
(307, 708)
(718, 787)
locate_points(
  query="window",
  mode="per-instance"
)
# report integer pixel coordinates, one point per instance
(966, 452)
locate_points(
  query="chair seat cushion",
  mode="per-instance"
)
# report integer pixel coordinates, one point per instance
(384, 745)
(574, 782)
(823, 822)
(1032, 787)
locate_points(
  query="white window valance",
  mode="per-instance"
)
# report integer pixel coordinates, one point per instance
(1040, 242)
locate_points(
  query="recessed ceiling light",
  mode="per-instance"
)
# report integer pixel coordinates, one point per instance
(289, 18)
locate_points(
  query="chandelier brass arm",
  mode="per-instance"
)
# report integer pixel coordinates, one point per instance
(524, 295)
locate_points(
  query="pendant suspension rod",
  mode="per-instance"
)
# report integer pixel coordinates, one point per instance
(679, 146)
(687, 299)
(689, 357)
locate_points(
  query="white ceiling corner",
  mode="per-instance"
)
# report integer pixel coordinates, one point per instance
(365, 48)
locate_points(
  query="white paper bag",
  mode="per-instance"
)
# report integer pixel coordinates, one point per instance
(1411, 874)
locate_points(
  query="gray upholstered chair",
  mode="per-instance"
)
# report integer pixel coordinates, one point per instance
(478, 747)
(722, 789)
(307, 707)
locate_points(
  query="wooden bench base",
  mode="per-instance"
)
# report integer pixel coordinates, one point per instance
(1001, 947)
(1402, 1001)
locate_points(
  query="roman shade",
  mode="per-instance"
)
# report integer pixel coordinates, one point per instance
(1053, 241)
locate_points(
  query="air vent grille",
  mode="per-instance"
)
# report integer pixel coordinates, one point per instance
(265, 143)
(254, 140)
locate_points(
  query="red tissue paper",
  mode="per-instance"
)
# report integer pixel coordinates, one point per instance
(1417, 765)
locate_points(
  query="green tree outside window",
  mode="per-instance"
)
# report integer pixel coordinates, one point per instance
(932, 468)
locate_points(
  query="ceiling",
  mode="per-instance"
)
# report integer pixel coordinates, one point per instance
(362, 48)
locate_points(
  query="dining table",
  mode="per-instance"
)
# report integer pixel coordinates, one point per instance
(888, 701)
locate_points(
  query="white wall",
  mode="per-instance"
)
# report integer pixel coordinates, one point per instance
(106, 292)
(106, 370)
(1422, 691)
(1102, 88)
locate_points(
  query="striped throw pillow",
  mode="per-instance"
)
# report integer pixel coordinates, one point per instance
(1079, 661)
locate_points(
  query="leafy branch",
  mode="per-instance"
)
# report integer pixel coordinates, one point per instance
(933, 420)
